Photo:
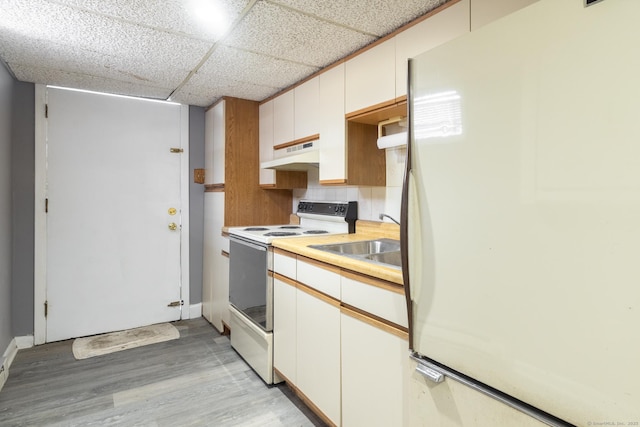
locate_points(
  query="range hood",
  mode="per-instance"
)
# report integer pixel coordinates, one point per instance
(294, 158)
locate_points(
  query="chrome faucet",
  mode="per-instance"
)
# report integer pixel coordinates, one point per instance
(382, 215)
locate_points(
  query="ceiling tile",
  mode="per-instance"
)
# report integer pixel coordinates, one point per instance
(86, 82)
(206, 94)
(379, 17)
(206, 19)
(282, 33)
(251, 67)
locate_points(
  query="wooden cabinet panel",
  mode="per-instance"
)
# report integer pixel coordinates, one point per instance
(437, 29)
(374, 368)
(370, 77)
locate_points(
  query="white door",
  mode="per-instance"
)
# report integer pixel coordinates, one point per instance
(113, 189)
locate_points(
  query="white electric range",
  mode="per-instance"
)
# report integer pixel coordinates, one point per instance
(251, 285)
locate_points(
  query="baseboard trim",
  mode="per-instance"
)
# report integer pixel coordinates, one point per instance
(24, 342)
(195, 310)
(6, 361)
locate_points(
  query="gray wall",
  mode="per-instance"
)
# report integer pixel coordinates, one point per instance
(22, 186)
(6, 96)
(196, 203)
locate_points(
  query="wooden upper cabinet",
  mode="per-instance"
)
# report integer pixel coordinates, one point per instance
(486, 11)
(370, 77)
(283, 118)
(433, 31)
(306, 105)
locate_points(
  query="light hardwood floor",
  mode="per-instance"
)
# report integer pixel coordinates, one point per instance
(197, 380)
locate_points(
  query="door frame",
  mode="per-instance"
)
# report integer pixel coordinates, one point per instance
(40, 216)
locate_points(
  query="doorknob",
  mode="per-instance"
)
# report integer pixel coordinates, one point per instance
(173, 226)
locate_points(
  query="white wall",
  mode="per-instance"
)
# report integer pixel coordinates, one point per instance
(372, 201)
(6, 94)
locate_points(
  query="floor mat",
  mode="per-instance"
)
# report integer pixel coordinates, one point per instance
(99, 345)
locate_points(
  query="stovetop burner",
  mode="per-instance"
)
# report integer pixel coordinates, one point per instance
(256, 229)
(315, 232)
(281, 233)
(290, 226)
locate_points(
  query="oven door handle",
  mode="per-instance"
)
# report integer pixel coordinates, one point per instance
(256, 246)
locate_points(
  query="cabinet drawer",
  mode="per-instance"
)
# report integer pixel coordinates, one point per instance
(383, 299)
(284, 263)
(319, 276)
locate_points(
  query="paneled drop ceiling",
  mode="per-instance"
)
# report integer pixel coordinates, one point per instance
(191, 51)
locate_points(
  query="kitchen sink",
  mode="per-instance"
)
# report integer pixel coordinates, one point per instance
(378, 251)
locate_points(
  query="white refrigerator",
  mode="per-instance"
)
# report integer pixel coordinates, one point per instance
(521, 211)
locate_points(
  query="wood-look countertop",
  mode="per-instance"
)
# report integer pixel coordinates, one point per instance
(365, 230)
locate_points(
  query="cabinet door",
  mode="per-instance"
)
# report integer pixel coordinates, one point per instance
(220, 266)
(318, 337)
(332, 127)
(208, 254)
(433, 31)
(374, 366)
(283, 111)
(267, 176)
(208, 146)
(370, 77)
(284, 328)
(218, 129)
(306, 105)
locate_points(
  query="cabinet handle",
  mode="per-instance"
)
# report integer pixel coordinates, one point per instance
(428, 372)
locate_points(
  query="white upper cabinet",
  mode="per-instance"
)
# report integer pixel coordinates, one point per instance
(218, 124)
(267, 176)
(486, 11)
(208, 146)
(370, 78)
(283, 121)
(433, 31)
(332, 151)
(306, 105)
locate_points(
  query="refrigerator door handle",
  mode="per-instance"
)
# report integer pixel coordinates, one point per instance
(428, 371)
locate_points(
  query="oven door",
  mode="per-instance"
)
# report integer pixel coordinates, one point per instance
(250, 287)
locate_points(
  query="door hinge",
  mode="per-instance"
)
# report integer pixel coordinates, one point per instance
(46, 111)
(46, 308)
(176, 150)
(46, 205)
(176, 304)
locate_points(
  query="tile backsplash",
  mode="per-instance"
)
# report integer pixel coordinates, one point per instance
(372, 201)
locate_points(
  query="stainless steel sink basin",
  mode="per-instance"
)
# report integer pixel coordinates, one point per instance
(364, 247)
(378, 251)
(391, 258)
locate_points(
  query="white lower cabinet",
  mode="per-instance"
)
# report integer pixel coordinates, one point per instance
(318, 341)
(215, 287)
(284, 327)
(374, 365)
